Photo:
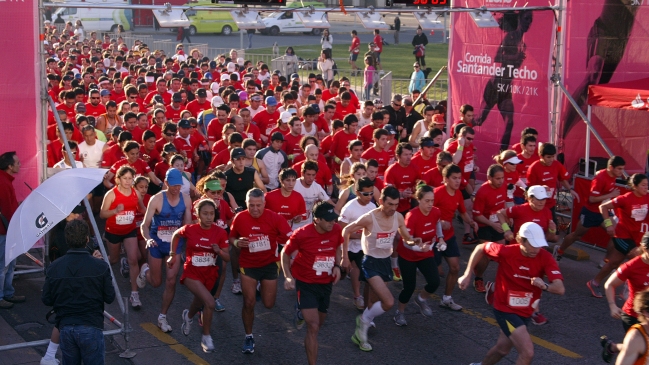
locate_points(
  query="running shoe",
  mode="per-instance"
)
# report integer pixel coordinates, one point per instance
(124, 268)
(607, 355)
(163, 324)
(361, 329)
(450, 304)
(218, 307)
(135, 300)
(141, 278)
(469, 240)
(298, 320)
(236, 287)
(539, 319)
(594, 289)
(187, 323)
(359, 302)
(424, 308)
(478, 285)
(207, 344)
(557, 253)
(400, 319)
(51, 361)
(489, 292)
(248, 345)
(396, 274)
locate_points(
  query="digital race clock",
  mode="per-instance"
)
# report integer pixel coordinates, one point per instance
(424, 3)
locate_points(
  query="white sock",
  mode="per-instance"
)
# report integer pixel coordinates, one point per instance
(446, 298)
(162, 315)
(421, 299)
(395, 262)
(372, 312)
(249, 335)
(205, 337)
(51, 350)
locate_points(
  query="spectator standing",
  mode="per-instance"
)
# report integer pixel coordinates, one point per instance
(9, 167)
(378, 48)
(79, 318)
(326, 65)
(419, 41)
(251, 32)
(354, 50)
(327, 42)
(397, 28)
(417, 79)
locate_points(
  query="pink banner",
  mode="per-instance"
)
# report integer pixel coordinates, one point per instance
(607, 41)
(503, 72)
(19, 90)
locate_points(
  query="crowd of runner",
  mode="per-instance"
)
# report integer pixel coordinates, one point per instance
(223, 161)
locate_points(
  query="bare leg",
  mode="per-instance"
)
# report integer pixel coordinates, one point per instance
(268, 290)
(249, 289)
(202, 298)
(170, 287)
(568, 240)
(314, 320)
(453, 270)
(133, 257)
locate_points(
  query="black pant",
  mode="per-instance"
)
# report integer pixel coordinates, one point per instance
(421, 60)
(408, 270)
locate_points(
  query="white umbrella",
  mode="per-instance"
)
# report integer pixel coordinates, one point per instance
(46, 206)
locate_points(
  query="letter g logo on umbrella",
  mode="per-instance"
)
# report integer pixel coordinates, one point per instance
(41, 221)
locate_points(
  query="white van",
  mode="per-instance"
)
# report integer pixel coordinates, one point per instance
(103, 20)
(288, 22)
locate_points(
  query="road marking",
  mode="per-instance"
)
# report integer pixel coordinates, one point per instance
(173, 344)
(539, 341)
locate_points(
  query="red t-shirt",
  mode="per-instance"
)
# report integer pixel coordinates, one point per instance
(291, 144)
(433, 177)
(322, 177)
(160, 170)
(172, 114)
(200, 263)
(69, 111)
(95, 111)
(123, 222)
(288, 207)
(355, 46)
(635, 273)
(214, 130)
(219, 146)
(512, 178)
(264, 234)
(378, 40)
(539, 174)
(182, 145)
(225, 213)
(322, 124)
(154, 157)
(524, 213)
(342, 111)
(196, 108)
(402, 178)
(137, 134)
(117, 97)
(221, 158)
(157, 130)
(340, 143)
(422, 164)
(383, 158)
(447, 205)
(266, 121)
(140, 167)
(111, 155)
(488, 201)
(514, 292)
(327, 94)
(316, 253)
(602, 184)
(366, 135)
(466, 162)
(422, 226)
(631, 211)
(252, 131)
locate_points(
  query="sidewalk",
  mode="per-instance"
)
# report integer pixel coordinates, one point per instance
(14, 357)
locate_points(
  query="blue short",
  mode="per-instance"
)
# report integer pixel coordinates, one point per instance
(162, 249)
(624, 245)
(590, 219)
(353, 56)
(452, 250)
(371, 267)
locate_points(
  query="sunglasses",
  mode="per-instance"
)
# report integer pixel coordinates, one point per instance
(395, 104)
(169, 134)
(469, 139)
(94, 97)
(194, 126)
(213, 191)
(367, 193)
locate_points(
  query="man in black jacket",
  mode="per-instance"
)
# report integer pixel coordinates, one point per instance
(77, 285)
(421, 40)
(397, 116)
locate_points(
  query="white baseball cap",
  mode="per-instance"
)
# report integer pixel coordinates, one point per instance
(534, 234)
(513, 160)
(538, 192)
(286, 116)
(217, 101)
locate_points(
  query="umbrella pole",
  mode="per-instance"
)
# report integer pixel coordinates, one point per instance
(88, 207)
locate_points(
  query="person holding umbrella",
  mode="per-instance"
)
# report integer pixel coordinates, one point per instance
(9, 167)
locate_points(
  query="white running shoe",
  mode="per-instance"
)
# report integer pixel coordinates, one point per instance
(359, 302)
(135, 300)
(187, 323)
(163, 324)
(450, 304)
(141, 278)
(52, 361)
(236, 287)
(207, 344)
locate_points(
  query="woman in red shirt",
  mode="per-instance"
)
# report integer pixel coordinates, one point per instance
(119, 208)
(509, 161)
(142, 186)
(424, 222)
(631, 212)
(205, 242)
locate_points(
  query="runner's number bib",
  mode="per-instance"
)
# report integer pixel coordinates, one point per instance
(165, 233)
(206, 259)
(519, 298)
(323, 264)
(639, 212)
(125, 218)
(259, 243)
(384, 240)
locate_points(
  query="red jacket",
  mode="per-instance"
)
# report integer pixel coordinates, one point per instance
(8, 201)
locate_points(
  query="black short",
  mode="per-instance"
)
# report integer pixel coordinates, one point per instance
(371, 267)
(119, 238)
(310, 296)
(465, 194)
(508, 322)
(590, 219)
(489, 234)
(268, 272)
(472, 176)
(624, 245)
(356, 257)
(628, 321)
(452, 250)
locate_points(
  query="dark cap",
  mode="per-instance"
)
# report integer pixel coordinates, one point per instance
(277, 136)
(315, 107)
(158, 99)
(325, 210)
(390, 129)
(310, 111)
(237, 152)
(213, 64)
(428, 143)
(169, 147)
(67, 78)
(177, 98)
(201, 93)
(104, 92)
(184, 123)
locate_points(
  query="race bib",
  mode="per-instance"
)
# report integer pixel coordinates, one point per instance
(165, 233)
(250, 135)
(493, 218)
(551, 192)
(509, 205)
(268, 129)
(469, 166)
(384, 240)
(259, 243)
(639, 212)
(125, 218)
(206, 259)
(519, 298)
(323, 264)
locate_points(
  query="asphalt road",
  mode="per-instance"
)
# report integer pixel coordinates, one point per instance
(576, 320)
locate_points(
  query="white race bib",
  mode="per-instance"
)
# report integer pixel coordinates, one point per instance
(384, 240)
(493, 218)
(469, 167)
(125, 218)
(165, 233)
(519, 298)
(259, 243)
(206, 259)
(639, 212)
(323, 264)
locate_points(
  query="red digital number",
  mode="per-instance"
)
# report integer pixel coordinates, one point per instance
(416, 2)
(423, 2)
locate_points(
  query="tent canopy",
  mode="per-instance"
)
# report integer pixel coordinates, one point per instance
(621, 95)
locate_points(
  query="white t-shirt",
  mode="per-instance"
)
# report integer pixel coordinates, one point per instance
(92, 154)
(255, 111)
(362, 121)
(312, 132)
(350, 213)
(62, 165)
(311, 195)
